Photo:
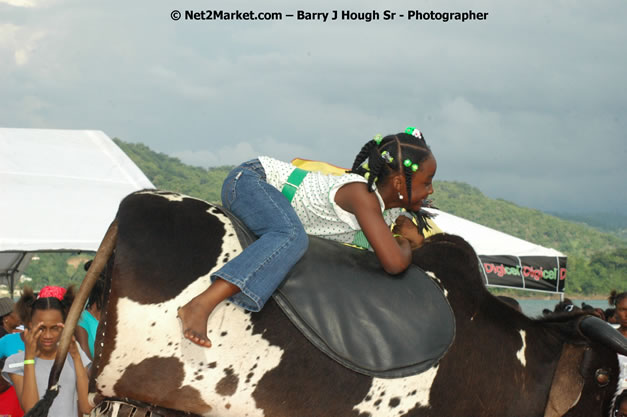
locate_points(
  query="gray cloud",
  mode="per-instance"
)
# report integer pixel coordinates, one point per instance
(526, 105)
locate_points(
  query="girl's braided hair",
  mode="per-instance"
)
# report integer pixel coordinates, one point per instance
(29, 303)
(97, 294)
(389, 155)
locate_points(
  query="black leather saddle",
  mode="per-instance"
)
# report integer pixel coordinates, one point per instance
(376, 324)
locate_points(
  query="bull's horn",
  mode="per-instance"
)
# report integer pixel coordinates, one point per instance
(100, 260)
(600, 331)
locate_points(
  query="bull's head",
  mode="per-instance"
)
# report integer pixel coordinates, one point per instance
(583, 348)
(585, 380)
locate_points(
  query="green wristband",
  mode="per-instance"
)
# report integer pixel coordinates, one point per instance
(29, 362)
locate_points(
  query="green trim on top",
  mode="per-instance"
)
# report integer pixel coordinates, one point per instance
(360, 240)
(293, 182)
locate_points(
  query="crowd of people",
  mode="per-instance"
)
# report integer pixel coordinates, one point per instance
(30, 332)
(609, 314)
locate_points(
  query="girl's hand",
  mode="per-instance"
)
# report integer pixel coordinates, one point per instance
(31, 337)
(405, 227)
(73, 349)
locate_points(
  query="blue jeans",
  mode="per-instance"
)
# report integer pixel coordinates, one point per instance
(263, 265)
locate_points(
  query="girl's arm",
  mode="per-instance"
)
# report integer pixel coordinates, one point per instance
(29, 394)
(82, 387)
(18, 383)
(394, 254)
(82, 380)
(83, 340)
(26, 389)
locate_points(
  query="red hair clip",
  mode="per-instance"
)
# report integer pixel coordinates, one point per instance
(52, 291)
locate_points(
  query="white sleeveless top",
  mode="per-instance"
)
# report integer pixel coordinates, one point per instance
(314, 202)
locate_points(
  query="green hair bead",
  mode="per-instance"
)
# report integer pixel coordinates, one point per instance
(409, 164)
(378, 138)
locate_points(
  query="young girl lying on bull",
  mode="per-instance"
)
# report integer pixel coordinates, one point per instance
(282, 204)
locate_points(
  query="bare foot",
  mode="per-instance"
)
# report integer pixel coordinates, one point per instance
(195, 314)
(194, 317)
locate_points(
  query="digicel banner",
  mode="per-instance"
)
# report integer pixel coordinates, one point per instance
(543, 273)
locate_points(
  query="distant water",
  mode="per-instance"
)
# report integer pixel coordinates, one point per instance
(533, 308)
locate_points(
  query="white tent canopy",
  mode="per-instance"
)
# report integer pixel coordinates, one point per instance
(487, 241)
(508, 261)
(59, 190)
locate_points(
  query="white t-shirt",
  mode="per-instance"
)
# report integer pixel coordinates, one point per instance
(65, 404)
(314, 202)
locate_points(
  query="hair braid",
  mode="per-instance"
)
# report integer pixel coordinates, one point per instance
(363, 155)
(68, 299)
(408, 175)
(24, 305)
(376, 168)
(96, 296)
(377, 165)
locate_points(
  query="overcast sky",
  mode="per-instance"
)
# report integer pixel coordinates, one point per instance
(528, 105)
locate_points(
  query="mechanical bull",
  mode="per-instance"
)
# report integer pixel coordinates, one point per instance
(501, 363)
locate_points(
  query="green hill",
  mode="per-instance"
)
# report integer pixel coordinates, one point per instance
(169, 173)
(613, 223)
(597, 261)
(533, 225)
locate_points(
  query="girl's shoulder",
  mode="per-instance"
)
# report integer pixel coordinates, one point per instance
(16, 356)
(14, 364)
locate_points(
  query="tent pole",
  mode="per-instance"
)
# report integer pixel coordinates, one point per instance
(11, 279)
(11, 274)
